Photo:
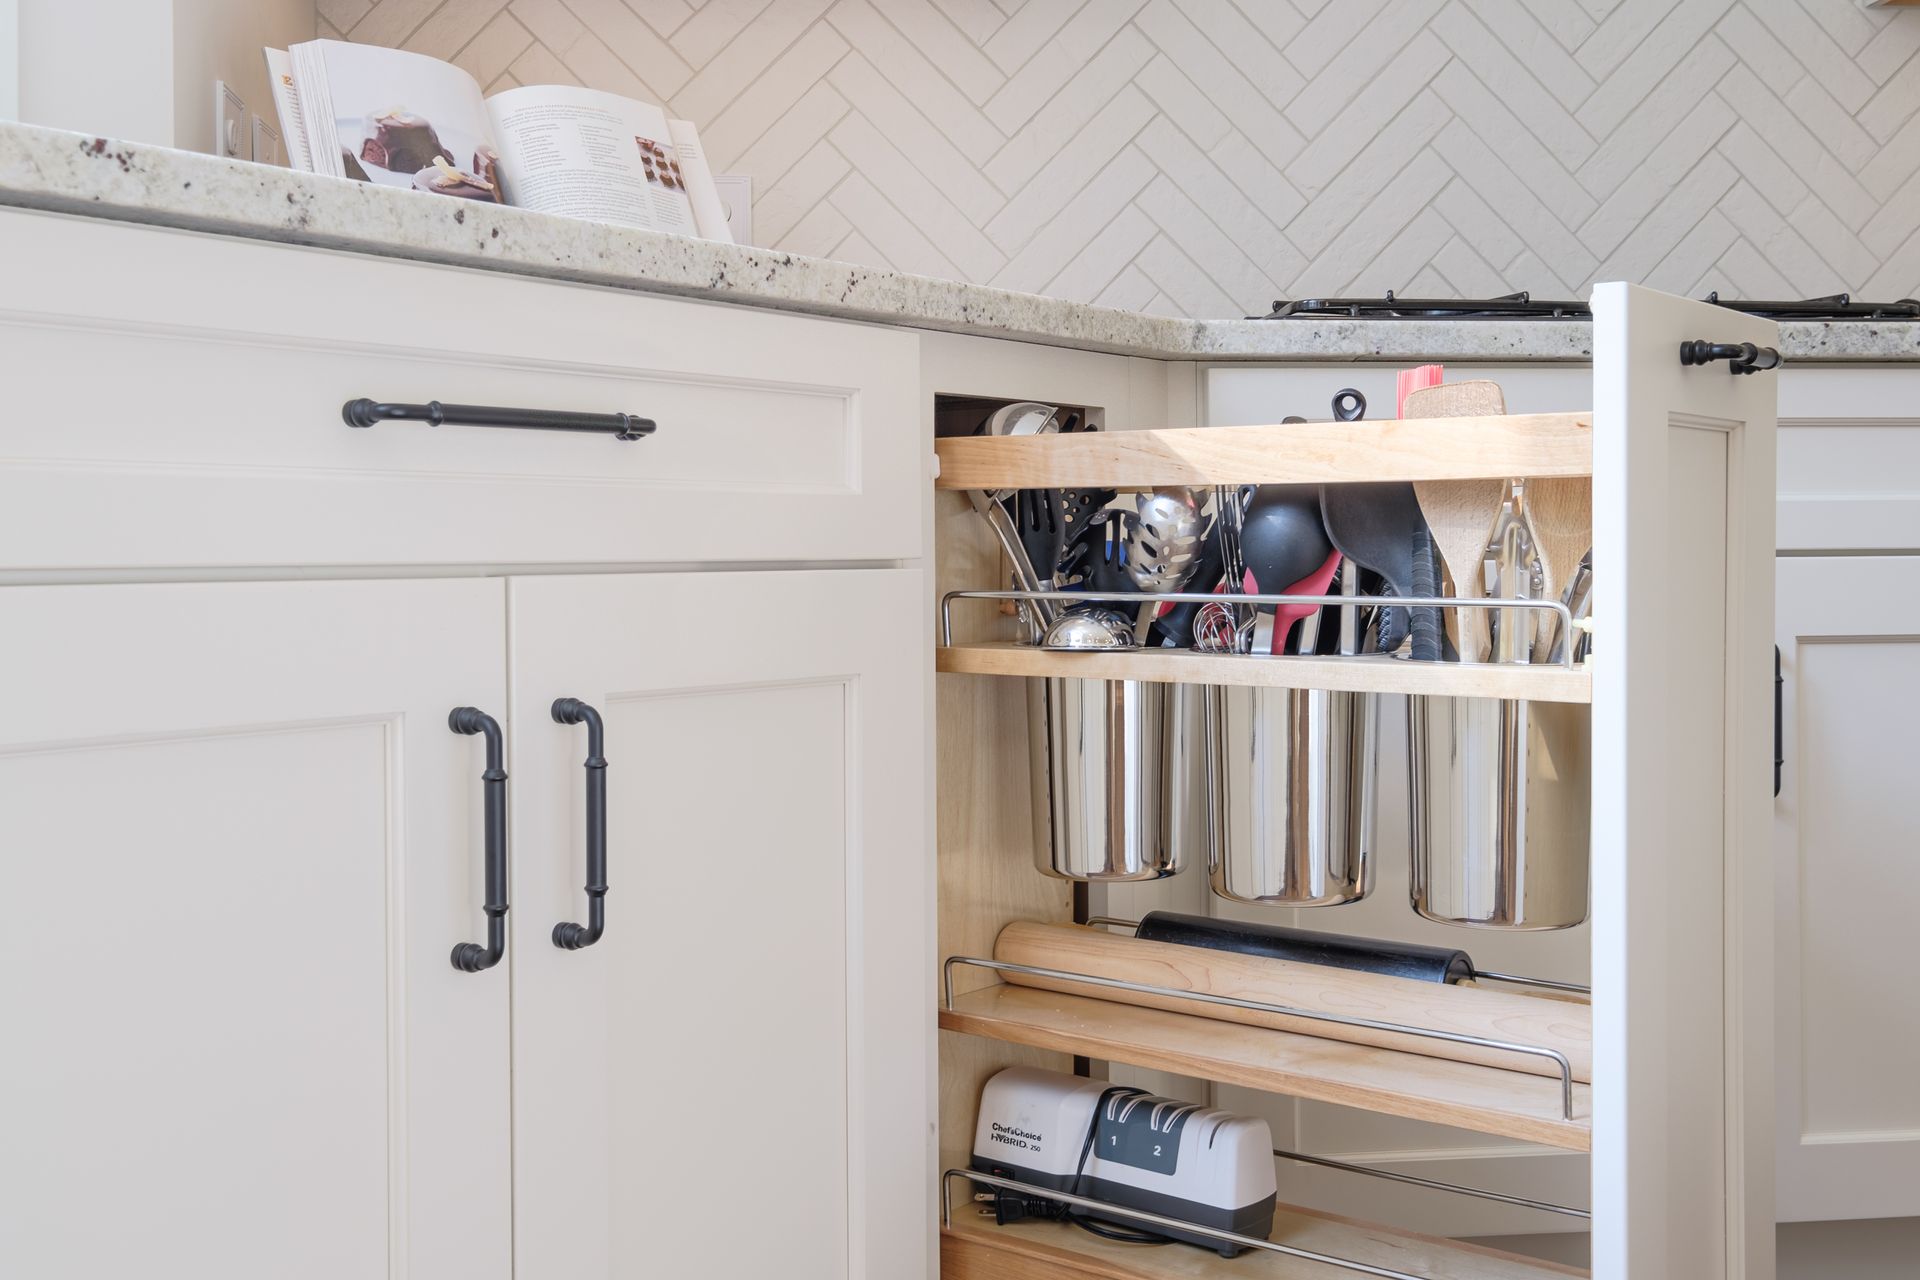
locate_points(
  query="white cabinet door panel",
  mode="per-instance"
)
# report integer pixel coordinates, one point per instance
(237, 844)
(1848, 889)
(741, 1061)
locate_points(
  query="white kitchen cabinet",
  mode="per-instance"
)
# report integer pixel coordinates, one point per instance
(1848, 1026)
(737, 1067)
(237, 844)
(241, 842)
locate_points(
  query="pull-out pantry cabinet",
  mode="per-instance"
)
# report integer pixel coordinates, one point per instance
(242, 843)
(1674, 1134)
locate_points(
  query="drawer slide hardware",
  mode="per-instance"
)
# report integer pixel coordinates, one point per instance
(621, 426)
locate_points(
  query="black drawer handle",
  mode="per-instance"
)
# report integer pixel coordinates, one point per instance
(567, 935)
(621, 426)
(471, 957)
(1741, 357)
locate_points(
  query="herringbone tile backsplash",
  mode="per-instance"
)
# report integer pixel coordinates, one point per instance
(1203, 157)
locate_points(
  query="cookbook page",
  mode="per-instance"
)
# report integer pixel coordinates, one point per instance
(286, 101)
(399, 119)
(708, 213)
(587, 154)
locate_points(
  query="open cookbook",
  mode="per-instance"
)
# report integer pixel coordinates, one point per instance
(406, 120)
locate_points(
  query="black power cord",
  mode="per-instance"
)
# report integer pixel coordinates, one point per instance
(1017, 1206)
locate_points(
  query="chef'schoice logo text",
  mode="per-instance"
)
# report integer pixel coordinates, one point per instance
(1013, 1137)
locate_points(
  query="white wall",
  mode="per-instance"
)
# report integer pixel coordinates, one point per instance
(221, 40)
(102, 67)
(144, 69)
(1207, 156)
(9, 59)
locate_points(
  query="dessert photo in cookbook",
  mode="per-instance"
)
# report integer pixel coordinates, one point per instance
(403, 119)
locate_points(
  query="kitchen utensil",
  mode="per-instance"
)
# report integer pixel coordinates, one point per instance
(1285, 616)
(1560, 517)
(1578, 597)
(1126, 1147)
(1089, 628)
(1374, 525)
(1290, 794)
(1039, 613)
(1283, 544)
(1098, 557)
(1307, 946)
(1079, 508)
(1499, 823)
(1042, 522)
(1118, 776)
(1163, 540)
(1461, 512)
(1174, 628)
(1427, 630)
(1022, 418)
(1512, 572)
(1230, 513)
(1509, 1016)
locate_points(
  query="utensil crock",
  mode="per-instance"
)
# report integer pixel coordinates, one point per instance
(1500, 798)
(1290, 786)
(1117, 777)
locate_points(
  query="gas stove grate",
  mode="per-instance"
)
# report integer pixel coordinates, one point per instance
(1523, 306)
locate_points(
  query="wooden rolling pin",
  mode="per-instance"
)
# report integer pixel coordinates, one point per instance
(1497, 1015)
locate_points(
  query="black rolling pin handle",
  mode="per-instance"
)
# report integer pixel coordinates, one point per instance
(621, 426)
(1741, 357)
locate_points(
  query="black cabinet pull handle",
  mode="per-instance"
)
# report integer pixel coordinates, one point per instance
(1741, 357)
(471, 957)
(621, 426)
(567, 935)
(1779, 722)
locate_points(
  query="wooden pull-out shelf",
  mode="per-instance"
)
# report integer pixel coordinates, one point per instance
(974, 1248)
(1492, 448)
(1539, 683)
(1485, 1099)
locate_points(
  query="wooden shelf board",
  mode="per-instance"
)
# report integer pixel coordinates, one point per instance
(974, 1248)
(1522, 444)
(1485, 1099)
(1369, 674)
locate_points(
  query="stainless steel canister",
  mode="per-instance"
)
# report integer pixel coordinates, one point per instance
(1118, 777)
(1290, 783)
(1500, 798)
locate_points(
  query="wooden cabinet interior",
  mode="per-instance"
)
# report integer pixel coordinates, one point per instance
(986, 838)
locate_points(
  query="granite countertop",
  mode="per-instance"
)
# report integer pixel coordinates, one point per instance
(77, 173)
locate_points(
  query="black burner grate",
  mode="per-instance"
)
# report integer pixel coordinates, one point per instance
(1522, 306)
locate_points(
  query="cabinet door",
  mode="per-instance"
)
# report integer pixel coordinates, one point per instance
(237, 844)
(1848, 888)
(735, 1078)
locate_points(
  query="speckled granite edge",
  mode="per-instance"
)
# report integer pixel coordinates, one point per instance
(75, 173)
